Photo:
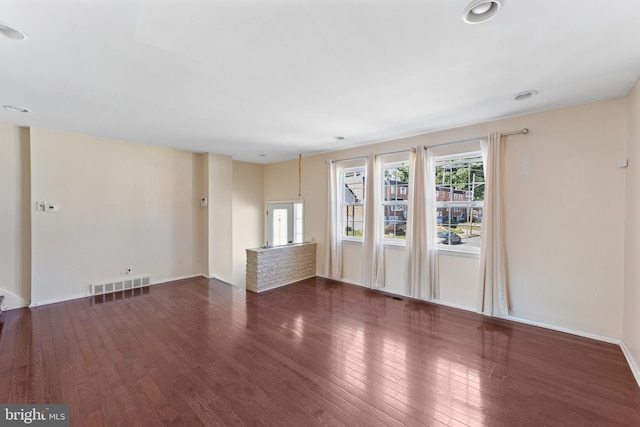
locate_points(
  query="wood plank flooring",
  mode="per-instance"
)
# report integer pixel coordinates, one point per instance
(319, 352)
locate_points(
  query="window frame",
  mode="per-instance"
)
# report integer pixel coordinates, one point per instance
(344, 204)
(459, 158)
(393, 191)
(296, 221)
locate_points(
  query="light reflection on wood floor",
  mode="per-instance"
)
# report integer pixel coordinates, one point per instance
(319, 352)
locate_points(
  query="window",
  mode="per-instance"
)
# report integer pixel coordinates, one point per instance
(394, 203)
(459, 201)
(353, 184)
(284, 223)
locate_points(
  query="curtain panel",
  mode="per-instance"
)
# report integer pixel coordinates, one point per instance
(493, 293)
(373, 246)
(421, 270)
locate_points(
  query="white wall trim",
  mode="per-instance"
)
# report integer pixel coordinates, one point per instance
(35, 304)
(12, 301)
(434, 301)
(348, 282)
(597, 337)
(452, 305)
(630, 361)
(173, 279)
(86, 295)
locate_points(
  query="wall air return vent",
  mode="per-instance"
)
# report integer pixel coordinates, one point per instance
(118, 285)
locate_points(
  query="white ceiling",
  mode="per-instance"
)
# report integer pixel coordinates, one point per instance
(282, 77)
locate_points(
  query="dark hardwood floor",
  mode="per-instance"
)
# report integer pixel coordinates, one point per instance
(319, 352)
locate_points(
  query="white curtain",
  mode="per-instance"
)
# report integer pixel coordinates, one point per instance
(492, 296)
(373, 247)
(333, 252)
(421, 279)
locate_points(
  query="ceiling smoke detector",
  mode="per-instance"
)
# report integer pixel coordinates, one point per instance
(11, 33)
(481, 10)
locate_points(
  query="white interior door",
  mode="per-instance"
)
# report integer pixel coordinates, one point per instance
(279, 224)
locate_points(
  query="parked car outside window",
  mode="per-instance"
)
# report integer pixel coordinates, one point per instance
(449, 238)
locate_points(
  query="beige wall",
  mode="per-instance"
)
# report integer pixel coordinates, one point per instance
(248, 215)
(565, 214)
(15, 220)
(565, 218)
(632, 236)
(121, 205)
(200, 220)
(219, 175)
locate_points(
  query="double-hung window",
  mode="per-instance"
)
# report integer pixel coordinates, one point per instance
(459, 201)
(353, 185)
(395, 195)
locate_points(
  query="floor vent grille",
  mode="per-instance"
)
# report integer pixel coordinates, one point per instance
(108, 287)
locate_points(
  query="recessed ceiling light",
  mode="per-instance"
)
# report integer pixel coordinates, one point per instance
(339, 138)
(16, 109)
(11, 33)
(481, 10)
(527, 94)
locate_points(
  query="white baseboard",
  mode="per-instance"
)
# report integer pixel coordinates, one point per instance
(12, 301)
(35, 304)
(349, 282)
(434, 301)
(631, 362)
(173, 279)
(512, 318)
(78, 296)
(453, 305)
(597, 337)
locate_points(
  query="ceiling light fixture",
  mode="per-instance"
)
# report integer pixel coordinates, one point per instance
(481, 10)
(16, 109)
(11, 33)
(339, 138)
(527, 94)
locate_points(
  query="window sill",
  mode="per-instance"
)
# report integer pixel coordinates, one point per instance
(386, 244)
(394, 244)
(400, 246)
(458, 253)
(352, 241)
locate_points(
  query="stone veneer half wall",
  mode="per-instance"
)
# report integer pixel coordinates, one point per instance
(277, 266)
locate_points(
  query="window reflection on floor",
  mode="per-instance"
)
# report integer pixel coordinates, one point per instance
(463, 387)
